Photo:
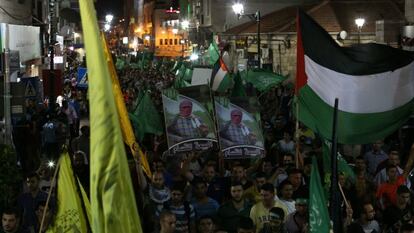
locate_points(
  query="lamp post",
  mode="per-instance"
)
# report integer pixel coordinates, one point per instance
(238, 8)
(182, 42)
(360, 23)
(109, 18)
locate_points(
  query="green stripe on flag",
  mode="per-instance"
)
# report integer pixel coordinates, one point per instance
(353, 128)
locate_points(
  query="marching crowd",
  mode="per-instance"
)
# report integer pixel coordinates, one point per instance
(202, 192)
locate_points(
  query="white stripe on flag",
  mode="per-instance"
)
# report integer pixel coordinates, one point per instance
(218, 78)
(362, 94)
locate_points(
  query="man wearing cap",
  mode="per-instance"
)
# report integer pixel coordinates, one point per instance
(275, 224)
(297, 221)
(235, 132)
(185, 125)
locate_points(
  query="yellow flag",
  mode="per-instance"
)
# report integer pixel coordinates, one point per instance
(113, 207)
(127, 132)
(70, 216)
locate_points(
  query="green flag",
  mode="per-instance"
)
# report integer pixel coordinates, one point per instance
(180, 71)
(214, 52)
(176, 66)
(343, 165)
(238, 89)
(318, 212)
(120, 64)
(262, 80)
(146, 118)
(188, 74)
(180, 83)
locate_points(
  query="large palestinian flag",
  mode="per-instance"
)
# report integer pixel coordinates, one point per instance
(374, 85)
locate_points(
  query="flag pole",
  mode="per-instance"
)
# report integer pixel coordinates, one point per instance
(334, 202)
(297, 135)
(49, 194)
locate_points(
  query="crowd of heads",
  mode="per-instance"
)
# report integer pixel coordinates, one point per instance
(203, 192)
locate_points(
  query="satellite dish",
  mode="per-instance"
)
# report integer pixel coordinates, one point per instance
(342, 35)
(66, 31)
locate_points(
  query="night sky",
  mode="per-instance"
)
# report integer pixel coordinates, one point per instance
(104, 7)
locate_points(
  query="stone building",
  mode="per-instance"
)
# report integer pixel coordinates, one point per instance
(383, 22)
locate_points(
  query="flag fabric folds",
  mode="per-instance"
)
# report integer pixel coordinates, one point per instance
(113, 206)
(214, 52)
(146, 118)
(238, 89)
(262, 80)
(318, 212)
(127, 132)
(373, 83)
(70, 216)
(343, 165)
(221, 80)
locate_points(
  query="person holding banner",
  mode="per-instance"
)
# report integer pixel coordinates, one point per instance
(185, 125)
(235, 132)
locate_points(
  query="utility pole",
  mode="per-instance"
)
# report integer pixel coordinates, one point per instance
(7, 95)
(52, 41)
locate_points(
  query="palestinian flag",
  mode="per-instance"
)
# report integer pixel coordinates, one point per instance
(374, 85)
(221, 80)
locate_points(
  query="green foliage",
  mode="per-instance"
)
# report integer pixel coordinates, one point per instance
(10, 177)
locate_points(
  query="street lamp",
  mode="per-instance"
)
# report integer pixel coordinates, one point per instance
(185, 24)
(360, 23)
(175, 30)
(109, 18)
(238, 9)
(107, 27)
(194, 57)
(182, 42)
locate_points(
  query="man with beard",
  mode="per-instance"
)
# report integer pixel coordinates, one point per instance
(400, 213)
(238, 174)
(185, 125)
(231, 212)
(366, 221)
(10, 222)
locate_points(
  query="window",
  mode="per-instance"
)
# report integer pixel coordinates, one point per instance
(166, 41)
(161, 41)
(176, 41)
(171, 41)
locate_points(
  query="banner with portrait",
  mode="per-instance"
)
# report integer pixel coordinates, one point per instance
(240, 133)
(189, 119)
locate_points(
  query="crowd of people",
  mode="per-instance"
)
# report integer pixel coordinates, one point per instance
(205, 193)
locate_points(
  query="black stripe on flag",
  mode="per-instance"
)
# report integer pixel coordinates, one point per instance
(359, 59)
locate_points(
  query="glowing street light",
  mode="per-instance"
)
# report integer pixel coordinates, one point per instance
(107, 27)
(185, 24)
(109, 18)
(194, 57)
(175, 30)
(360, 23)
(238, 8)
(147, 37)
(51, 164)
